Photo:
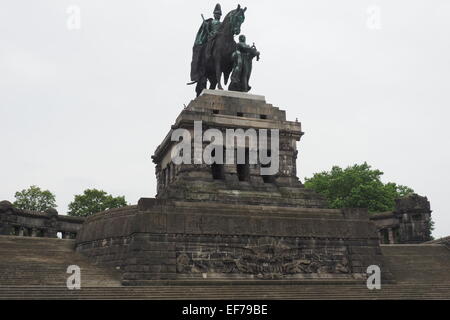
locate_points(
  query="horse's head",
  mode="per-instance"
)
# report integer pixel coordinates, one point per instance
(237, 18)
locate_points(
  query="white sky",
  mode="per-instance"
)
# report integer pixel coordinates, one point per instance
(86, 108)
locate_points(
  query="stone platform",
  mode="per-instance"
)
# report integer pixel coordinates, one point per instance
(166, 239)
(229, 222)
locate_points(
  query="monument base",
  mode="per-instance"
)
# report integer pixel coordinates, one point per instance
(204, 241)
(229, 221)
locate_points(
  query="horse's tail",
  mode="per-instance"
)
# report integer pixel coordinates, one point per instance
(226, 75)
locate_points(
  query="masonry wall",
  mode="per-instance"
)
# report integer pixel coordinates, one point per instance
(410, 222)
(160, 239)
(14, 221)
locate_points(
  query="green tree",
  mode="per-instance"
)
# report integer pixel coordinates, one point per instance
(357, 186)
(93, 201)
(34, 199)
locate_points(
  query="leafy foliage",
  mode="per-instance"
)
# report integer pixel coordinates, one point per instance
(93, 201)
(430, 226)
(357, 186)
(34, 199)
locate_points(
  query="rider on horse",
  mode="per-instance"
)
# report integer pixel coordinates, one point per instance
(213, 49)
(205, 36)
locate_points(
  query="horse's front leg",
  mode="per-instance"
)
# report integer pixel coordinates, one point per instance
(218, 74)
(201, 84)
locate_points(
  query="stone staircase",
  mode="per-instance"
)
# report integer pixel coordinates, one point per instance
(35, 268)
(421, 264)
(26, 261)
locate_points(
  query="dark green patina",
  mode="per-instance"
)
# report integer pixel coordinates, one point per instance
(215, 53)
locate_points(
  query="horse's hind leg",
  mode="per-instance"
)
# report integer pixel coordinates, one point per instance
(212, 83)
(218, 74)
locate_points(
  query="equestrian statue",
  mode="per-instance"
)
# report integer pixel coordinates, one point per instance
(215, 53)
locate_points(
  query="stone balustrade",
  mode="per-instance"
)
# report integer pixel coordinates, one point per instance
(14, 221)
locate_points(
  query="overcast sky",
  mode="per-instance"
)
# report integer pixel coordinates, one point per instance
(86, 108)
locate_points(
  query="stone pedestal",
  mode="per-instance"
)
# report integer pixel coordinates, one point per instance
(225, 110)
(164, 239)
(226, 223)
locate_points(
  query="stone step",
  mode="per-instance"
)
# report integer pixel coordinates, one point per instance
(421, 263)
(222, 290)
(44, 261)
(220, 293)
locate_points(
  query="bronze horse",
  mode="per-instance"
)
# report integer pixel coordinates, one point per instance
(210, 65)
